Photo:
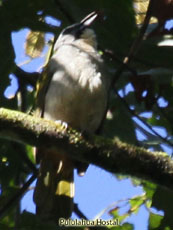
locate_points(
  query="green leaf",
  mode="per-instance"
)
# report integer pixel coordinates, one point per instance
(149, 189)
(162, 199)
(35, 42)
(136, 203)
(140, 8)
(119, 123)
(154, 221)
(136, 181)
(30, 153)
(115, 213)
(148, 203)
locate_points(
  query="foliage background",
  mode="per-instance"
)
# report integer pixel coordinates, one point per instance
(141, 101)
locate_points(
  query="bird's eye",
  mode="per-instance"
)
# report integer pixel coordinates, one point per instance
(78, 34)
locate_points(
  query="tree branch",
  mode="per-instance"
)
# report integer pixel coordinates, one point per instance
(111, 155)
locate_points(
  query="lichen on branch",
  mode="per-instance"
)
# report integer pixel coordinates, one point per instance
(112, 155)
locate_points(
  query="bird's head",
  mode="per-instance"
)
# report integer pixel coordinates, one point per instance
(79, 32)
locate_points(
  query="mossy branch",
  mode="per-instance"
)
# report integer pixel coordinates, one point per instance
(111, 155)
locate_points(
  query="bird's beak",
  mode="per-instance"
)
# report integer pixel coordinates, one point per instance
(89, 19)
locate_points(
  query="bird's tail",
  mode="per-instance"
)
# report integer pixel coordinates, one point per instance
(54, 190)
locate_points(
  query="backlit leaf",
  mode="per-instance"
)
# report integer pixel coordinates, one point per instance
(154, 221)
(141, 7)
(35, 42)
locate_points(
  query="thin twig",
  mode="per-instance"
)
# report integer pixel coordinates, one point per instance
(78, 212)
(139, 118)
(116, 203)
(17, 196)
(135, 46)
(111, 54)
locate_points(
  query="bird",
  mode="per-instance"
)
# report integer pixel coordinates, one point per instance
(74, 89)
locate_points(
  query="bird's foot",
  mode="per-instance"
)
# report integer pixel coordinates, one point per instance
(63, 124)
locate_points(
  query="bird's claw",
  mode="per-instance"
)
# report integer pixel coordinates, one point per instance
(63, 124)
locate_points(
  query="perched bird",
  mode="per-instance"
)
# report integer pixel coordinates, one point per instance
(74, 90)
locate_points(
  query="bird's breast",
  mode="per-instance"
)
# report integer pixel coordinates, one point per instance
(77, 93)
